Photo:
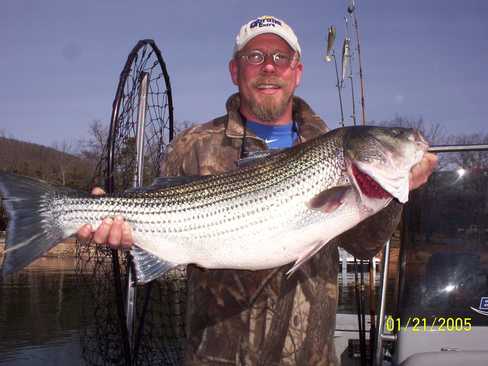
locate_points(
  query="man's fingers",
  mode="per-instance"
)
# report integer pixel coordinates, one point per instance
(126, 240)
(432, 158)
(101, 235)
(421, 172)
(114, 232)
(85, 232)
(429, 163)
(115, 235)
(97, 191)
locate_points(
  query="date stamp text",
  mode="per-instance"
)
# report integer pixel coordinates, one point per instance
(423, 324)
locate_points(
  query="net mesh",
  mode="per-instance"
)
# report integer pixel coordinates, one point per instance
(160, 306)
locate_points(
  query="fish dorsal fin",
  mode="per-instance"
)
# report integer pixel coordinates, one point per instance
(329, 200)
(256, 157)
(166, 182)
(148, 266)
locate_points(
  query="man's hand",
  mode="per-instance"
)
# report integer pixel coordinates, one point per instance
(421, 172)
(115, 232)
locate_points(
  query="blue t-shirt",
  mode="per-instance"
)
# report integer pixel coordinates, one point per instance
(276, 137)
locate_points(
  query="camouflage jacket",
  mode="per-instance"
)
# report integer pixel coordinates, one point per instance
(261, 317)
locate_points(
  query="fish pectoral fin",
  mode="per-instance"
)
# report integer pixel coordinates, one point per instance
(329, 200)
(306, 256)
(148, 267)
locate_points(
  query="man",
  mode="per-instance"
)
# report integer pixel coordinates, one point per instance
(263, 317)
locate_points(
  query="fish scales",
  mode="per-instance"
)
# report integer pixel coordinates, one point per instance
(204, 203)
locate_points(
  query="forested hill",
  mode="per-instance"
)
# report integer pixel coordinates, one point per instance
(45, 163)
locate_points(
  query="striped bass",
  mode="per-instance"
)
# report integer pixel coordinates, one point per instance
(279, 209)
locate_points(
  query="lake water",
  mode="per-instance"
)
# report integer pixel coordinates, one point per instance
(40, 311)
(41, 320)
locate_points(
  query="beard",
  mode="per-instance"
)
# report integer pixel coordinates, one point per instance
(269, 108)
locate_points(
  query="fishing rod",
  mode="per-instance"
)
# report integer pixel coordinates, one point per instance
(347, 73)
(372, 304)
(347, 65)
(330, 54)
(351, 10)
(359, 295)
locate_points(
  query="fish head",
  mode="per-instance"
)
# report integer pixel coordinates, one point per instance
(379, 160)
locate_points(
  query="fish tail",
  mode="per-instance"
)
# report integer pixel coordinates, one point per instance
(32, 228)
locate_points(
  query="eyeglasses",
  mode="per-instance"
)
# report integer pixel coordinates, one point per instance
(280, 59)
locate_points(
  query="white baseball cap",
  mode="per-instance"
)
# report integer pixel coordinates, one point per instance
(266, 24)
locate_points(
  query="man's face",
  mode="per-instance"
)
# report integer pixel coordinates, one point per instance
(266, 90)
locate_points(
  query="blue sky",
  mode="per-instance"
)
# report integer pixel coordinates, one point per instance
(61, 59)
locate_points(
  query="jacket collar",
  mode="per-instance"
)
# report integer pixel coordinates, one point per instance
(235, 126)
(303, 115)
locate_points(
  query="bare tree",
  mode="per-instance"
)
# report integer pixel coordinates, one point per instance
(180, 126)
(64, 160)
(93, 147)
(474, 160)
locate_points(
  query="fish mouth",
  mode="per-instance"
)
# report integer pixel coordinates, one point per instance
(367, 185)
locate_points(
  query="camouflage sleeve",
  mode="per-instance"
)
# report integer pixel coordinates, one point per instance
(368, 237)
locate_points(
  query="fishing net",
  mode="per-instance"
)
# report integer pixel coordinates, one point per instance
(158, 330)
